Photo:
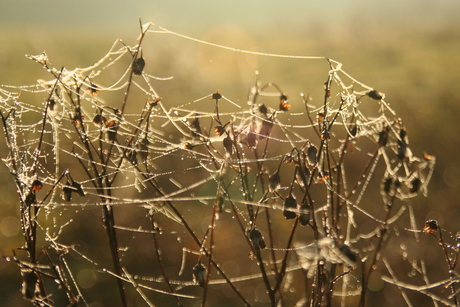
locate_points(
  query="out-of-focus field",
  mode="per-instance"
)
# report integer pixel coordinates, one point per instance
(417, 68)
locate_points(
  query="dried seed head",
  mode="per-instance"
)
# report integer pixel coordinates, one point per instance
(188, 146)
(257, 238)
(30, 199)
(195, 127)
(138, 66)
(219, 130)
(375, 95)
(99, 119)
(402, 149)
(266, 128)
(415, 185)
(199, 274)
(228, 145)
(312, 153)
(386, 186)
(67, 192)
(284, 106)
(216, 95)
(251, 139)
(274, 182)
(78, 188)
(29, 284)
(325, 135)
(93, 89)
(346, 250)
(263, 109)
(304, 217)
(37, 185)
(431, 226)
(383, 136)
(290, 205)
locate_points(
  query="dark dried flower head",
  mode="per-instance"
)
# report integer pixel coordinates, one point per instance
(216, 95)
(29, 284)
(51, 104)
(431, 226)
(257, 238)
(93, 89)
(304, 217)
(199, 274)
(37, 185)
(263, 109)
(78, 188)
(387, 185)
(284, 106)
(188, 146)
(290, 206)
(99, 119)
(219, 130)
(383, 136)
(415, 185)
(375, 95)
(195, 127)
(138, 66)
(312, 154)
(228, 145)
(266, 128)
(67, 192)
(31, 199)
(274, 182)
(251, 139)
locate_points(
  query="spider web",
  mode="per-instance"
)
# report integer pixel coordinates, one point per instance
(211, 188)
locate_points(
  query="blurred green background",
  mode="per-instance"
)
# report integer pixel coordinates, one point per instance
(410, 50)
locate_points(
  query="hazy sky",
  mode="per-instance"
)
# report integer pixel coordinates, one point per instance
(198, 15)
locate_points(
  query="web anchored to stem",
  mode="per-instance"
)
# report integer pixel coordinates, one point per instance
(262, 201)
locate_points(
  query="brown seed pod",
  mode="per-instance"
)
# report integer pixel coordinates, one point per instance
(431, 226)
(375, 95)
(304, 217)
(78, 188)
(228, 145)
(284, 106)
(219, 130)
(199, 274)
(415, 185)
(216, 95)
(37, 185)
(263, 109)
(274, 181)
(138, 66)
(383, 136)
(312, 154)
(257, 238)
(266, 128)
(67, 192)
(290, 205)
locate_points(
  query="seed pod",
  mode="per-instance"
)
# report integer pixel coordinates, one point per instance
(93, 89)
(67, 192)
(266, 128)
(402, 149)
(112, 130)
(375, 95)
(415, 185)
(312, 153)
(354, 130)
(216, 95)
(199, 274)
(346, 250)
(284, 106)
(257, 238)
(219, 130)
(228, 145)
(138, 66)
(263, 109)
(29, 283)
(431, 226)
(78, 188)
(325, 135)
(37, 185)
(51, 104)
(386, 186)
(195, 127)
(383, 136)
(274, 182)
(290, 204)
(30, 199)
(304, 217)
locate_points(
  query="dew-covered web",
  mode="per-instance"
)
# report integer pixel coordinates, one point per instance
(211, 199)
